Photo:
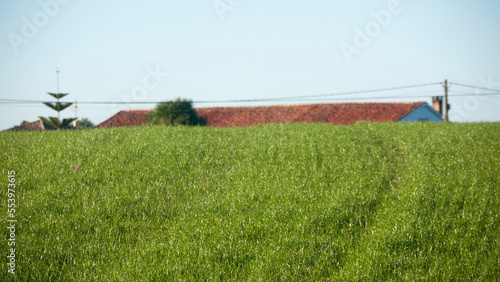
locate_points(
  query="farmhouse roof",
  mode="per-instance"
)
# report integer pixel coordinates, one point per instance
(29, 126)
(126, 118)
(334, 113)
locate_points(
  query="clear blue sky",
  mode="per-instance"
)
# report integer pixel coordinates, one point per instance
(230, 49)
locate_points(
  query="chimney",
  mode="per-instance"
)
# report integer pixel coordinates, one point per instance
(437, 104)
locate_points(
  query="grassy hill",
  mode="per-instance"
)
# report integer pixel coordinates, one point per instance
(299, 201)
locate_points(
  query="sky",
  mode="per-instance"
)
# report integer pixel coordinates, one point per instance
(218, 51)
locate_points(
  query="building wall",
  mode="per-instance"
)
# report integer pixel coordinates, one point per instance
(423, 113)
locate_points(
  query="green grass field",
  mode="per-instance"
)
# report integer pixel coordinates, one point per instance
(400, 201)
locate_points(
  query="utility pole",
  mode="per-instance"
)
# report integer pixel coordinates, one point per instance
(76, 111)
(445, 101)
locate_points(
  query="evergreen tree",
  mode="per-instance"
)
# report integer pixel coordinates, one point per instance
(58, 106)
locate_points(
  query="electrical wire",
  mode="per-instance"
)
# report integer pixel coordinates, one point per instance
(310, 98)
(475, 87)
(242, 100)
(318, 99)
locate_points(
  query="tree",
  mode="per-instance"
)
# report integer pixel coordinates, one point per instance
(84, 123)
(175, 112)
(58, 106)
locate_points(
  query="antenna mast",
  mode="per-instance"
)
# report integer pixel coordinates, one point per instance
(58, 113)
(57, 71)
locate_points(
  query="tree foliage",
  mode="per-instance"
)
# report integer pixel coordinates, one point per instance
(58, 107)
(56, 123)
(175, 112)
(84, 123)
(58, 95)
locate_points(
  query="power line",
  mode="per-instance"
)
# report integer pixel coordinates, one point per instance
(322, 97)
(340, 93)
(399, 97)
(247, 100)
(20, 101)
(476, 87)
(474, 94)
(309, 100)
(23, 105)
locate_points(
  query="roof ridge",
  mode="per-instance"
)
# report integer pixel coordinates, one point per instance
(136, 110)
(318, 104)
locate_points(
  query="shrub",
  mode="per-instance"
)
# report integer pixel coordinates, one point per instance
(84, 123)
(175, 112)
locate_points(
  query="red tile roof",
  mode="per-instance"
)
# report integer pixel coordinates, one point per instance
(38, 125)
(126, 118)
(334, 113)
(28, 126)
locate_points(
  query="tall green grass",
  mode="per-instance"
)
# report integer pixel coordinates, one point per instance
(401, 201)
